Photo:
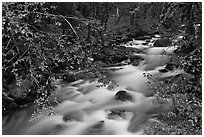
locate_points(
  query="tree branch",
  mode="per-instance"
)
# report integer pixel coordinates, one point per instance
(190, 53)
(64, 17)
(8, 43)
(119, 18)
(70, 26)
(10, 50)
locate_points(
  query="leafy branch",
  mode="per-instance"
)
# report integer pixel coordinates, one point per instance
(60, 16)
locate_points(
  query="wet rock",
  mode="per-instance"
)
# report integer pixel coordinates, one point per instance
(99, 64)
(66, 118)
(123, 96)
(148, 40)
(171, 66)
(163, 70)
(135, 63)
(117, 114)
(145, 43)
(98, 125)
(96, 129)
(164, 42)
(68, 77)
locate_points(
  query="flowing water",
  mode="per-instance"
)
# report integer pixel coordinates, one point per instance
(85, 108)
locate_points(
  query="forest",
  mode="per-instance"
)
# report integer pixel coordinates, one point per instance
(44, 43)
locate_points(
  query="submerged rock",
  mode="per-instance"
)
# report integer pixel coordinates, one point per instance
(163, 42)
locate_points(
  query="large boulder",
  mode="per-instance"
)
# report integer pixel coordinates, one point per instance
(163, 42)
(123, 96)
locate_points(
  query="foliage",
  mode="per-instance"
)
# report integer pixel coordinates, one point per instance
(31, 52)
(185, 89)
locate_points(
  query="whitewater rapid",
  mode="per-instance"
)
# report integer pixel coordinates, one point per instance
(84, 108)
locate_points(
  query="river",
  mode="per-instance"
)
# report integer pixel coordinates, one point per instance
(85, 108)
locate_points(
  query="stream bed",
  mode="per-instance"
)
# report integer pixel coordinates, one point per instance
(121, 107)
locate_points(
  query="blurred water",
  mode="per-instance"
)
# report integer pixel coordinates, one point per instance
(84, 106)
